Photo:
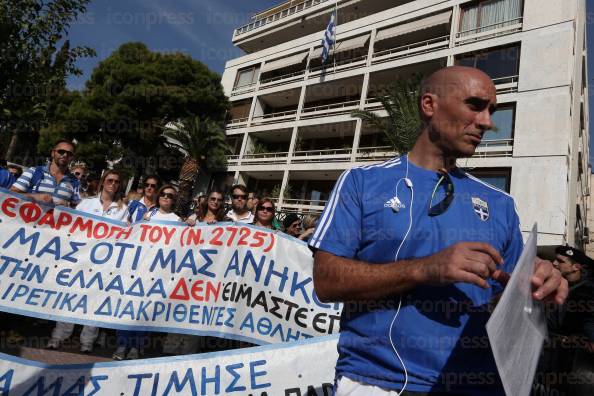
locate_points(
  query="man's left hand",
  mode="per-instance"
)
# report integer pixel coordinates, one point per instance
(547, 283)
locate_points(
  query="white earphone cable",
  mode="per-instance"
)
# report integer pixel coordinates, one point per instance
(408, 182)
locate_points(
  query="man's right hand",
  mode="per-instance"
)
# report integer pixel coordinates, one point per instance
(42, 198)
(470, 262)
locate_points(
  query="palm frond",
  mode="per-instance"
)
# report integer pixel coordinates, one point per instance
(402, 124)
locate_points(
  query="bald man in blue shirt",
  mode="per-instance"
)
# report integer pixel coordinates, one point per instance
(417, 249)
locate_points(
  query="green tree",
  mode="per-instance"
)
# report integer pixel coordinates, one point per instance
(402, 125)
(35, 60)
(132, 94)
(203, 145)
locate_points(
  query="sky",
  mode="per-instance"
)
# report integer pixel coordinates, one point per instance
(200, 28)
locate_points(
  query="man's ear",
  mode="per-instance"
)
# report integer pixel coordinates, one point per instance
(577, 266)
(428, 104)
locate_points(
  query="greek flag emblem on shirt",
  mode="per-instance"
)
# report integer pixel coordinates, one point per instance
(481, 208)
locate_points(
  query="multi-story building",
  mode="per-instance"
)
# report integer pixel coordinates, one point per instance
(291, 127)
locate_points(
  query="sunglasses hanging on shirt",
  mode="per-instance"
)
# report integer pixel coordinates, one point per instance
(444, 204)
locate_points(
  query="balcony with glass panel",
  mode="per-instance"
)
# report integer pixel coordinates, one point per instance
(407, 39)
(267, 147)
(276, 107)
(332, 98)
(501, 64)
(331, 142)
(489, 18)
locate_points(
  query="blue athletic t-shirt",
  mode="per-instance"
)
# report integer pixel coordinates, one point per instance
(440, 331)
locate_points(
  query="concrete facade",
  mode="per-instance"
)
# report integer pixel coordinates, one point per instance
(291, 127)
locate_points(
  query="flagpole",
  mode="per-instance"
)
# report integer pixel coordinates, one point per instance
(335, 30)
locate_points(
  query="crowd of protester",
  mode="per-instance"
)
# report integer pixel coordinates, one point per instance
(64, 182)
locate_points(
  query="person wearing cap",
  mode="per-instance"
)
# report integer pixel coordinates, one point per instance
(577, 314)
(292, 225)
(571, 327)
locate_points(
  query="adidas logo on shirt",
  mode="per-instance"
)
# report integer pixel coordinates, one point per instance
(395, 204)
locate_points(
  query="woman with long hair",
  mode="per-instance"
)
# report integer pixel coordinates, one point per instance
(264, 216)
(210, 211)
(108, 204)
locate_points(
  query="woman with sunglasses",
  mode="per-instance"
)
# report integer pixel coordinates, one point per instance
(108, 204)
(265, 214)
(210, 211)
(165, 203)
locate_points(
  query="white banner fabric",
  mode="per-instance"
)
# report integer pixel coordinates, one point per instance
(225, 280)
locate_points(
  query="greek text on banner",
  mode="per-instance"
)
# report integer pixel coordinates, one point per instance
(226, 280)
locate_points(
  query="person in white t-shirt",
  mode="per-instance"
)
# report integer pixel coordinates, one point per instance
(108, 204)
(165, 203)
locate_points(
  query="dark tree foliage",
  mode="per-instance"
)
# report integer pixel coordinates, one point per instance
(35, 59)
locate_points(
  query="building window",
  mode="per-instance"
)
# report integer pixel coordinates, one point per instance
(499, 178)
(503, 121)
(490, 14)
(247, 77)
(500, 64)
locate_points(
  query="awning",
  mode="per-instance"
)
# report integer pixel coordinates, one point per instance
(344, 45)
(283, 62)
(410, 27)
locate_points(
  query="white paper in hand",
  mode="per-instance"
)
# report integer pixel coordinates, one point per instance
(517, 328)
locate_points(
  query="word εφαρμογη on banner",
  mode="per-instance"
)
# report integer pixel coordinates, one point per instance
(227, 280)
(298, 368)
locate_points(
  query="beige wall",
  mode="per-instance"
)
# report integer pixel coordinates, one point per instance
(548, 12)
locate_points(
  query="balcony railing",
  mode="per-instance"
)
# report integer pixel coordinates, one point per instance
(374, 153)
(304, 202)
(505, 85)
(326, 155)
(237, 123)
(277, 16)
(495, 148)
(373, 104)
(243, 89)
(331, 109)
(232, 159)
(265, 158)
(275, 117)
(339, 66)
(284, 79)
(405, 51)
(489, 31)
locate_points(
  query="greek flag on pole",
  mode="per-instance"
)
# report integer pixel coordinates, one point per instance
(329, 37)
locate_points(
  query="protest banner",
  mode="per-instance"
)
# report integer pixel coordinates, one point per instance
(294, 369)
(226, 280)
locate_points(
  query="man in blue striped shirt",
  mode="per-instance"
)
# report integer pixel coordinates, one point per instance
(52, 183)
